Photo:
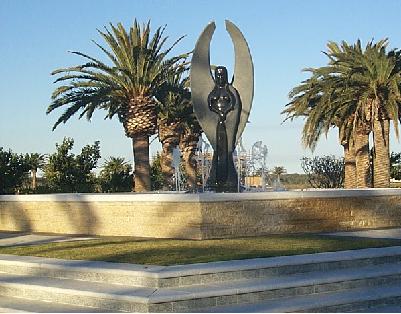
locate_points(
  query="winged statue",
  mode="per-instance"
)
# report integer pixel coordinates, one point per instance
(221, 106)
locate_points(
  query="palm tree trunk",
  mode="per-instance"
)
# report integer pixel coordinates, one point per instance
(33, 179)
(362, 159)
(167, 164)
(190, 168)
(188, 146)
(140, 145)
(169, 137)
(349, 155)
(381, 158)
(349, 166)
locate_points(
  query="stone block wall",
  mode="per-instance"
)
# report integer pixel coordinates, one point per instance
(202, 216)
(106, 218)
(249, 218)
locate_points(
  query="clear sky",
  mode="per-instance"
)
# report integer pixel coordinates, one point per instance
(284, 37)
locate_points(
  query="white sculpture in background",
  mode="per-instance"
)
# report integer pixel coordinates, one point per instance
(177, 172)
(258, 160)
(205, 162)
(241, 156)
(247, 163)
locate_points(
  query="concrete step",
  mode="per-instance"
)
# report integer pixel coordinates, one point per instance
(386, 308)
(141, 299)
(368, 299)
(195, 274)
(283, 288)
(18, 305)
(92, 271)
(116, 298)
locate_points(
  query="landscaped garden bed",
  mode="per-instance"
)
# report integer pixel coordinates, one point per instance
(172, 252)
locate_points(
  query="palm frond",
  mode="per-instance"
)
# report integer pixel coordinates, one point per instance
(139, 68)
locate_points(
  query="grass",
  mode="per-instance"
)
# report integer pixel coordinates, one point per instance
(172, 252)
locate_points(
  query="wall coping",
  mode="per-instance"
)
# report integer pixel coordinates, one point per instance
(201, 197)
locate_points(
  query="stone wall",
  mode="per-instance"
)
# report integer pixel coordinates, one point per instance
(201, 216)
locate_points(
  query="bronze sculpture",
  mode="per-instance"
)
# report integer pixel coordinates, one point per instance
(222, 107)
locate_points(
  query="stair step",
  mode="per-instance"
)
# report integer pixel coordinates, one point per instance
(387, 308)
(252, 291)
(195, 274)
(312, 282)
(18, 305)
(354, 300)
(92, 271)
(67, 291)
(139, 299)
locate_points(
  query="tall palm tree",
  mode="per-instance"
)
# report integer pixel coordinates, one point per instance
(358, 92)
(174, 102)
(35, 161)
(125, 88)
(377, 80)
(324, 105)
(178, 126)
(374, 80)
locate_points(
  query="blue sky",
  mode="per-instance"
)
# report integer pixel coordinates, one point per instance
(284, 37)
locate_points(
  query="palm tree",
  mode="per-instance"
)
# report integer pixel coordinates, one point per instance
(138, 69)
(378, 81)
(374, 81)
(359, 93)
(178, 126)
(174, 102)
(35, 161)
(115, 175)
(324, 105)
(278, 171)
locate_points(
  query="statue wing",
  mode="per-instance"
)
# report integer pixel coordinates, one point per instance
(243, 74)
(202, 83)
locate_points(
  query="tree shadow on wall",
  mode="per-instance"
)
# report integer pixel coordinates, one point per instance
(81, 215)
(14, 217)
(55, 216)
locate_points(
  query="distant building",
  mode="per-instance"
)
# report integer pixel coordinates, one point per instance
(253, 181)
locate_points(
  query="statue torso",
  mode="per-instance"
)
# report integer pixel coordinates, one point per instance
(221, 101)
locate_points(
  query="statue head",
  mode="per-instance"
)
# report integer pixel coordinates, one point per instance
(221, 76)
